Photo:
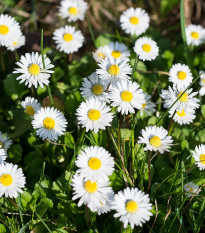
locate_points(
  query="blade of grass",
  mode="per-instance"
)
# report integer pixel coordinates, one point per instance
(20, 211)
(91, 30)
(46, 226)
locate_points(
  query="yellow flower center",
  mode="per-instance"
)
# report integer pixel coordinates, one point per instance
(203, 80)
(116, 54)
(181, 75)
(90, 187)
(131, 207)
(155, 141)
(144, 105)
(67, 37)
(181, 114)
(94, 115)
(147, 48)
(94, 163)
(49, 123)
(73, 10)
(97, 89)
(184, 97)
(134, 20)
(15, 43)
(127, 96)
(30, 110)
(101, 55)
(195, 35)
(4, 29)
(6, 179)
(34, 69)
(1, 145)
(114, 70)
(202, 158)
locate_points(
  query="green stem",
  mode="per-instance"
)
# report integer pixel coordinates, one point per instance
(91, 30)
(50, 96)
(20, 211)
(134, 67)
(133, 141)
(182, 181)
(16, 55)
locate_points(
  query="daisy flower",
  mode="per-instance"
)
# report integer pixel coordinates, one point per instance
(5, 142)
(93, 86)
(202, 83)
(2, 156)
(12, 180)
(73, 10)
(31, 106)
(118, 50)
(9, 29)
(16, 43)
(146, 49)
(132, 206)
(190, 189)
(95, 163)
(183, 117)
(199, 156)
(32, 71)
(148, 106)
(67, 39)
(126, 96)
(92, 193)
(156, 139)
(50, 123)
(101, 52)
(195, 34)
(105, 207)
(114, 69)
(134, 21)
(94, 114)
(180, 75)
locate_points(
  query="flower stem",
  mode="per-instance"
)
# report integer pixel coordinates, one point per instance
(91, 30)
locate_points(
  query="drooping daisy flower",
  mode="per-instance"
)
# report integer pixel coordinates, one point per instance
(126, 96)
(94, 115)
(101, 52)
(202, 83)
(105, 207)
(5, 142)
(146, 49)
(183, 117)
(118, 50)
(114, 70)
(16, 43)
(91, 192)
(93, 86)
(67, 39)
(134, 21)
(190, 189)
(2, 155)
(50, 123)
(32, 71)
(195, 34)
(132, 206)
(12, 180)
(180, 75)
(73, 10)
(31, 106)
(199, 156)
(156, 139)
(95, 163)
(148, 106)
(9, 29)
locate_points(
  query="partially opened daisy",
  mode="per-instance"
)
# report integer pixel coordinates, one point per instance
(12, 180)
(183, 117)
(93, 86)
(126, 96)
(31, 106)
(95, 163)
(31, 70)
(101, 52)
(134, 21)
(2, 155)
(105, 207)
(190, 189)
(118, 50)
(202, 83)
(114, 69)
(180, 75)
(156, 139)
(148, 106)
(146, 49)
(49, 123)
(16, 43)
(73, 10)
(199, 156)
(5, 142)
(68, 39)
(132, 206)
(94, 114)
(195, 34)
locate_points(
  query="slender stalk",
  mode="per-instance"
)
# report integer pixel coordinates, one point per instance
(91, 30)
(134, 67)
(2, 62)
(16, 55)
(87, 217)
(182, 181)
(119, 133)
(149, 170)
(20, 211)
(133, 141)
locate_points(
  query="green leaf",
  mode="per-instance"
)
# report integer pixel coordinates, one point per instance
(43, 206)
(69, 140)
(117, 181)
(2, 228)
(125, 134)
(15, 153)
(103, 40)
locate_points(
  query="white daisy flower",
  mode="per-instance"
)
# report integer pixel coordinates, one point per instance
(183, 117)
(94, 114)
(126, 96)
(95, 163)
(180, 75)
(16, 43)
(101, 52)
(114, 69)
(2, 156)
(202, 83)
(187, 100)
(12, 180)
(93, 86)
(146, 49)
(134, 21)
(5, 142)
(92, 193)
(50, 123)
(9, 29)
(105, 207)
(132, 206)
(148, 106)
(67, 39)
(156, 139)
(190, 189)
(31, 106)
(199, 156)
(32, 71)
(118, 50)
(195, 34)
(73, 10)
